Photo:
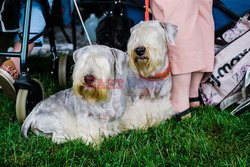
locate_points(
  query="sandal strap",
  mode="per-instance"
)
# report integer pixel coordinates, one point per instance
(179, 116)
(194, 99)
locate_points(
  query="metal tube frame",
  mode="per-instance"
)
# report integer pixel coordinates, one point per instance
(24, 79)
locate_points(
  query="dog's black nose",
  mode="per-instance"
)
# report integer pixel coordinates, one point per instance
(140, 51)
(89, 79)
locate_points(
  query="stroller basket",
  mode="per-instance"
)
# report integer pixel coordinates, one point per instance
(226, 12)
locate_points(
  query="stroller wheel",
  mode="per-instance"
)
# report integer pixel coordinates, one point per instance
(6, 83)
(2, 59)
(64, 70)
(27, 99)
(21, 101)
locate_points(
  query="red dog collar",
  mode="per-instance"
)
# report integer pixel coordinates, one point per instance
(158, 76)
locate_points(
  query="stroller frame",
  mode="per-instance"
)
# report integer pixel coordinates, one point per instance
(24, 83)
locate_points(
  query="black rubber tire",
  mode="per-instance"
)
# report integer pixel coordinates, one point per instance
(27, 99)
(64, 70)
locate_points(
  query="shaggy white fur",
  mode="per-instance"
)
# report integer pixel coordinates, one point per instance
(70, 114)
(107, 97)
(149, 99)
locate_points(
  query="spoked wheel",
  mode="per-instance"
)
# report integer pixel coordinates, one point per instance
(27, 99)
(64, 70)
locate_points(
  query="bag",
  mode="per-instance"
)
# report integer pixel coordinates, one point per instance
(229, 83)
(245, 105)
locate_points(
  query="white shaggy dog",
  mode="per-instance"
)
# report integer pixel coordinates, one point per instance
(90, 110)
(150, 81)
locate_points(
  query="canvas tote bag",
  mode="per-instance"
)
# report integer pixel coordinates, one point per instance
(227, 83)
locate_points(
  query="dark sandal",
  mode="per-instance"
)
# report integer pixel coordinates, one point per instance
(184, 114)
(194, 99)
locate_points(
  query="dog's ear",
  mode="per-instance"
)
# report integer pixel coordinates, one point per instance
(171, 31)
(120, 59)
(132, 28)
(78, 53)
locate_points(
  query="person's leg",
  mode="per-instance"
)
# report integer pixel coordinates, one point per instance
(194, 88)
(37, 24)
(180, 92)
(10, 69)
(206, 26)
(17, 48)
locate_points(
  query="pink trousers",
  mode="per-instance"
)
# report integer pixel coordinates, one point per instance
(194, 47)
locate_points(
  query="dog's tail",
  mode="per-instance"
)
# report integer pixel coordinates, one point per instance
(26, 126)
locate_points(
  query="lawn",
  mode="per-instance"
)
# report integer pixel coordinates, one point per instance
(209, 138)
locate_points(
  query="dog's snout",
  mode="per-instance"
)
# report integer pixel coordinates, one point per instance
(89, 79)
(140, 51)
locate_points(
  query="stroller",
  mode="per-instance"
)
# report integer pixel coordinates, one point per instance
(29, 91)
(227, 12)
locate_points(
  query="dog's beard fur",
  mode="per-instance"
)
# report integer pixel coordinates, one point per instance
(91, 94)
(98, 66)
(144, 66)
(153, 36)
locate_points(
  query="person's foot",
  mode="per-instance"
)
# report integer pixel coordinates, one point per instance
(8, 74)
(10, 67)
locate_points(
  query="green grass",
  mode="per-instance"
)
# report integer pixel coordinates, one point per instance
(209, 138)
